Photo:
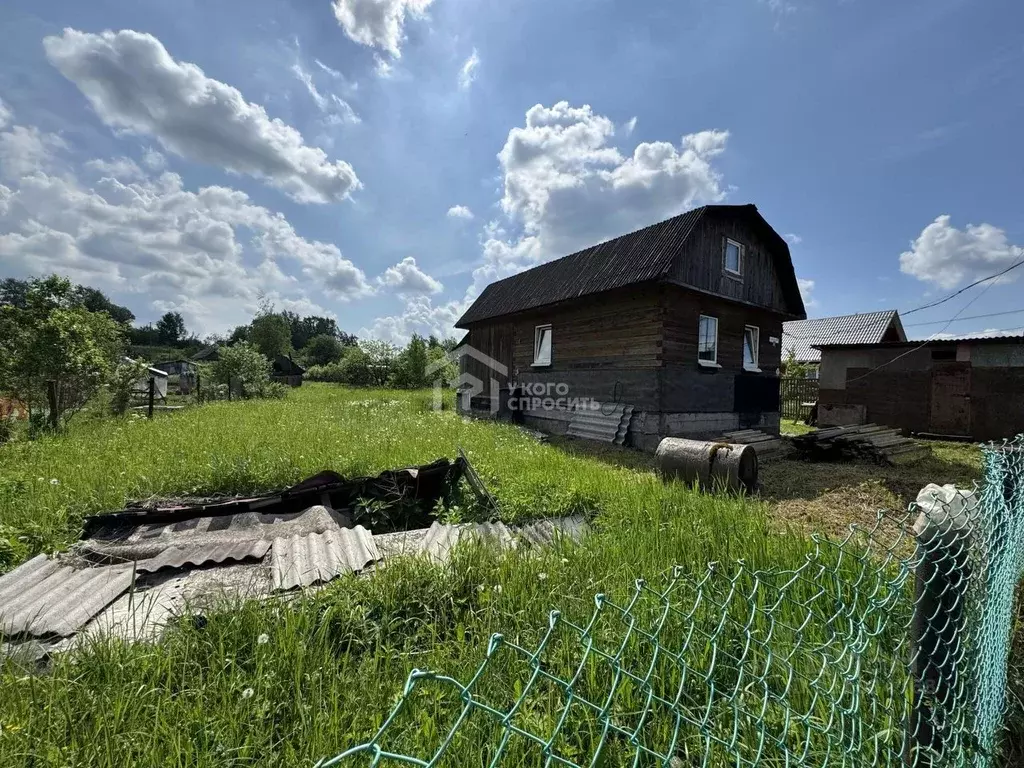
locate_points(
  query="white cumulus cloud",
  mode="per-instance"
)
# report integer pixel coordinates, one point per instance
(806, 287)
(467, 73)
(459, 212)
(407, 279)
(568, 186)
(947, 256)
(5, 114)
(26, 149)
(134, 84)
(378, 23)
(209, 253)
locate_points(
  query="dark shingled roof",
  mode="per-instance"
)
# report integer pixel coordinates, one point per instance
(637, 257)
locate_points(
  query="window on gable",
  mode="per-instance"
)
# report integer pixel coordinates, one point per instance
(542, 345)
(733, 257)
(707, 340)
(751, 344)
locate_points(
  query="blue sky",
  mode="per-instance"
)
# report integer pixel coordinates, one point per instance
(382, 160)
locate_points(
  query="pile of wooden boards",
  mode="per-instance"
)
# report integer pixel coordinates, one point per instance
(765, 445)
(866, 442)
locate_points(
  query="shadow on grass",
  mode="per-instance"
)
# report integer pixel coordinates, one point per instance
(615, 455)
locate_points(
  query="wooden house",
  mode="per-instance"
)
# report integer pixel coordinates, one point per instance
(286, 371)
(681, 320)
(961, 387)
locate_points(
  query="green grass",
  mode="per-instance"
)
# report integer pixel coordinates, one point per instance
(333, 663)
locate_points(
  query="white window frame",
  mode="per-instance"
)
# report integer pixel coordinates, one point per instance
(725, 257)
(755, 368)
(707, 363)
(537, 335)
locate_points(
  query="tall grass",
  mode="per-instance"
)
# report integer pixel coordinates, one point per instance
(287, 683)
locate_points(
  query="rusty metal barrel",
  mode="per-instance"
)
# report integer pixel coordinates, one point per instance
(712, 466)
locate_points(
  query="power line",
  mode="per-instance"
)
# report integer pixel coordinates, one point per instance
(918, 309)
(926, 341)
(965, 288)
(971, 317)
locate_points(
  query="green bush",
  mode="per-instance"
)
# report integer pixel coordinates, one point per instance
(122, 385)
(242, 364)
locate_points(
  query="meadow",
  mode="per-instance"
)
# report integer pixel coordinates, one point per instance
(289, 683)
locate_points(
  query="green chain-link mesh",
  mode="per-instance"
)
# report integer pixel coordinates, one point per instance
(887, 648)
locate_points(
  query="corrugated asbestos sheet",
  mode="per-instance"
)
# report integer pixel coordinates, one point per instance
(543, 533)
(634, 258)
(607, 424)
(217, 552)
(43, 597)
(441, 539)
(299, 561)
(867, 328)
(203, 538)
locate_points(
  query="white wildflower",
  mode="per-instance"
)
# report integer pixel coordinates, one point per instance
(480, 587)
(263, 639)
(497, 588)
(248, 693)
(541, 576)
(565, 560)
(54, 481)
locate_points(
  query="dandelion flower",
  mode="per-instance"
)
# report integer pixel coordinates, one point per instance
(263, 639)
(248, 693)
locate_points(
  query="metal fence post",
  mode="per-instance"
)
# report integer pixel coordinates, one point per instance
(152, 388)
(937, 646)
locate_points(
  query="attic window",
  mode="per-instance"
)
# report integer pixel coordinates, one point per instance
(733, 257)
(542, 345)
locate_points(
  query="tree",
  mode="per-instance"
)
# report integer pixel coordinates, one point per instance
(411, 367)
(14, 292)
(322, 350)
(171, 328)
(792, 368)
(380, 359)
(96, 301)
(355, 367)
(243, 365)
(271, 334)
(54, 338)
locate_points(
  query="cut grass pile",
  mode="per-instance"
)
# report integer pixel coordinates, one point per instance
(288, 683)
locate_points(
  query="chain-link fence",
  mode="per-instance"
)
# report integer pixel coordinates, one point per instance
(887, 648)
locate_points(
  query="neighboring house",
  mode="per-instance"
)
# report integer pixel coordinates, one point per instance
(209, 355)
(966, 387)
(802, 336)
(177, 367)
(141, 385)
(287, 371)
(682, 320)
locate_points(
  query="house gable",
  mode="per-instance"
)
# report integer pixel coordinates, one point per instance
(685, 250)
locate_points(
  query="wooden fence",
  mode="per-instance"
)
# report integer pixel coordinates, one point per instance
(797, 395)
